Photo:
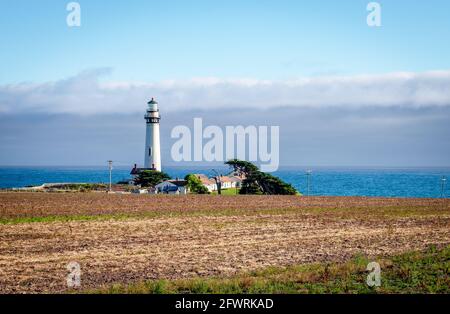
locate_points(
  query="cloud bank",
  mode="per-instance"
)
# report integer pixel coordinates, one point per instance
(87, 94)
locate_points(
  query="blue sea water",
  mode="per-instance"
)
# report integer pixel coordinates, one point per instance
(411, 182)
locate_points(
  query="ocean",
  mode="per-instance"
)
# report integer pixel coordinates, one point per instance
(384, 182)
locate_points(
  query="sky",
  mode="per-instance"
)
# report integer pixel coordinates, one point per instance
(343, 93)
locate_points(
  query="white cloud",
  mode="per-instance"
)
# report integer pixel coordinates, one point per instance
(86, 94)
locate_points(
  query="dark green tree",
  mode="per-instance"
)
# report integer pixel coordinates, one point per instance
(242, 167)
(195, 185)
(258, 182)
(150, 178)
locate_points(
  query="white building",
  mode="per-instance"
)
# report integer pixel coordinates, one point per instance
(228, 182)
(152, 157)
(140, 191)
(172, 187)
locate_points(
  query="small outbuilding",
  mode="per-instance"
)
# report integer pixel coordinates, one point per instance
(172, 187)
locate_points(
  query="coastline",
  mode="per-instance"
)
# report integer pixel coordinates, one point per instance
(325, 181)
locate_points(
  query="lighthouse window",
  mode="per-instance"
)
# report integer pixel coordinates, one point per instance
(149, 151)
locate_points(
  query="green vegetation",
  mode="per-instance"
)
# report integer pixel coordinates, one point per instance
(144, 215)
(81, 187)
(150, 178)
(195, 185)
(62, 218)
(258, 182)
(414, 272)
(231, 191)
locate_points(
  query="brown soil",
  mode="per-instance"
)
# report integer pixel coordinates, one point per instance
(34, 256)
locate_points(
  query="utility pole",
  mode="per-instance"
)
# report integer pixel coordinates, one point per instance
(443, 182)
(218, 182)
(308, 179)
(110, 174)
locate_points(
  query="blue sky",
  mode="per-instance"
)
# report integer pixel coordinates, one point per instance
(342, 93)
(157, 40)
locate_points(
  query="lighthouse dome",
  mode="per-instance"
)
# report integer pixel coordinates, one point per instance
(152, 105)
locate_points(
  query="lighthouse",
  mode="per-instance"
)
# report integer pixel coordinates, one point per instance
(152, 157)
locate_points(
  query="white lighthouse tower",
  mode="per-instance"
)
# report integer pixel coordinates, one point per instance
(152, 158)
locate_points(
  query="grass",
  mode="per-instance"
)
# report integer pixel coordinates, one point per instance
(148, 214)
(413, 272)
